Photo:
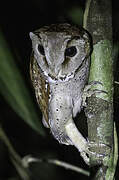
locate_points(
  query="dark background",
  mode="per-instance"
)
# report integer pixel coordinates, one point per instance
(17, 19)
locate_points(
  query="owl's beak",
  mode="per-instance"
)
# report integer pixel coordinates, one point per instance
(57, 70)
(56, 73)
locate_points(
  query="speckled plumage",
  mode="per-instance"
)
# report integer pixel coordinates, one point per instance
(59, 79)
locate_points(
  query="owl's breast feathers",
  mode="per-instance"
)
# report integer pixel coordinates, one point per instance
(41, 86)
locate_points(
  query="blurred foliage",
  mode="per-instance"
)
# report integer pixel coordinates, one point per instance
(14, 90)
(76, 14)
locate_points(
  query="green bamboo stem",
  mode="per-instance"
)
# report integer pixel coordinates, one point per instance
(98, 21)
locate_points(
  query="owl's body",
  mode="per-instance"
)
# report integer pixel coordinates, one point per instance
(59, 71)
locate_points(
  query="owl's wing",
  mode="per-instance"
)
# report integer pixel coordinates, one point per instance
(41, 87)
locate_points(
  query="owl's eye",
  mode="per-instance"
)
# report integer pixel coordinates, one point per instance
(71, 51)
(41, 50)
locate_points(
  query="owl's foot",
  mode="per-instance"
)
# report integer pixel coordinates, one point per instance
(87, 92)
(99, 151)
(103, 149)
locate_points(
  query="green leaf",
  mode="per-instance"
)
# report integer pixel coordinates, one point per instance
(14, 90)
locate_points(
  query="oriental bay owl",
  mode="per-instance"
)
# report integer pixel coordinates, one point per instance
(59, 69)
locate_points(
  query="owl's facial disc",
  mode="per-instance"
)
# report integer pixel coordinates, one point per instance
(54, 72)
(59, 54)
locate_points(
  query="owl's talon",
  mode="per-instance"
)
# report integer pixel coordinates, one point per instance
(99, 151)
(87, 92)
(95, 82)
(90, 84)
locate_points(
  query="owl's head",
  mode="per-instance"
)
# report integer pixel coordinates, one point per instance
(60, 50)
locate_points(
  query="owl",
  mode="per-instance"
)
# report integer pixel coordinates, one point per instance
(59, 69)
